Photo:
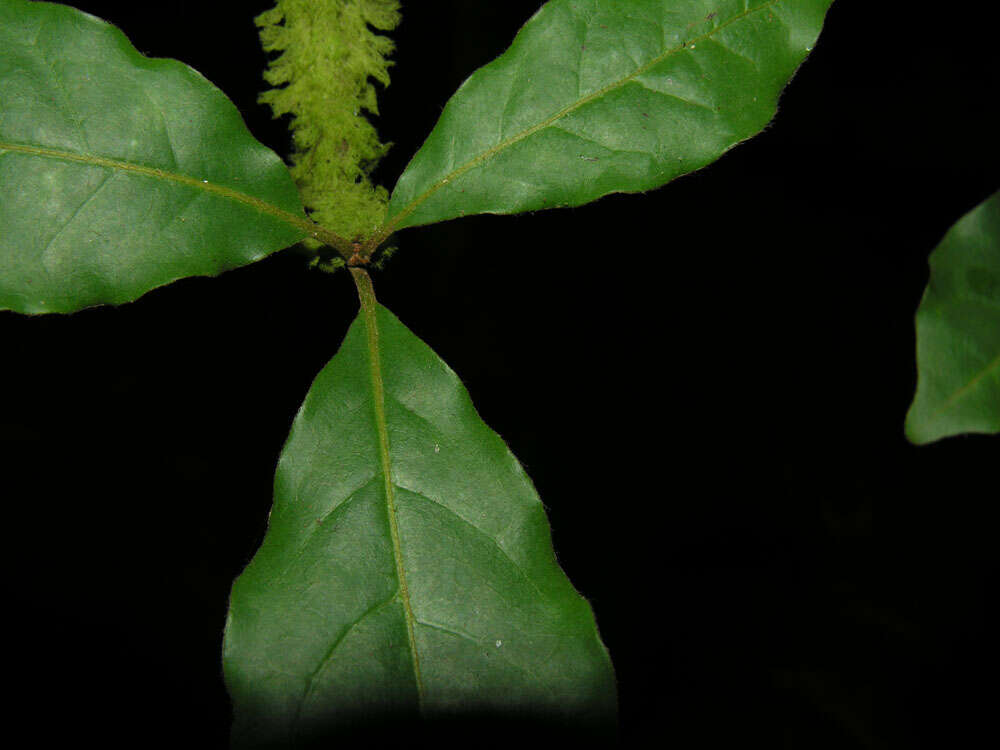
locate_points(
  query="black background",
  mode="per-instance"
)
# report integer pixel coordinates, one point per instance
(707, 384)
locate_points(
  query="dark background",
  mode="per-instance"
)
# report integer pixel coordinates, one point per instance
(707, 384)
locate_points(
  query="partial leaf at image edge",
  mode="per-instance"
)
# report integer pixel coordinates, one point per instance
(120, 173)
(407, 567)
(602, 96)
(958, 332)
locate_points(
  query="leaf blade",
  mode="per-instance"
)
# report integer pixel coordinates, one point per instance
(317, 634)
(120, 173)
(541, 125)
(958, 332)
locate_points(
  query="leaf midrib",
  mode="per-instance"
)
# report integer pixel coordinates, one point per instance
(308, 228)
(369, 311)
(410, 207)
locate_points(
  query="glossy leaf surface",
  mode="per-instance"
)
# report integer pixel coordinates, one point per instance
(603, 96)
(120, 173)
(958, 332)
(407, 567)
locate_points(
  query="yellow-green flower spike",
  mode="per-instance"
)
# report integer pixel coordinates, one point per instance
(328, 54)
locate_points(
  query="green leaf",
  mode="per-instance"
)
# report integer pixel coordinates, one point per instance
(407, 566)
(958, 332)
(120, 173)
(605, 96)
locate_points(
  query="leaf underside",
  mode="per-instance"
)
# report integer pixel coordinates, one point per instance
(602, 96)
(407, 567)
(120, 173)
(958, 332)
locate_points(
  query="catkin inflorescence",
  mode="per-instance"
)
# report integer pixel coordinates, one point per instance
(328, 55)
